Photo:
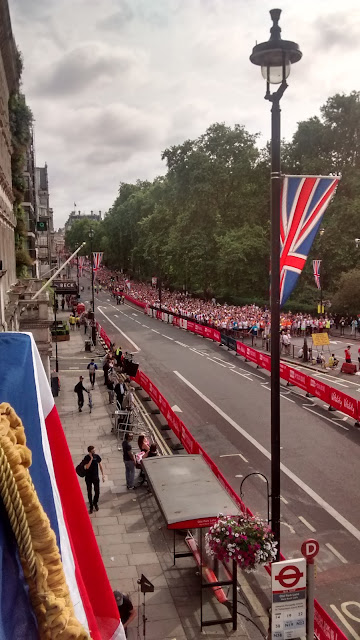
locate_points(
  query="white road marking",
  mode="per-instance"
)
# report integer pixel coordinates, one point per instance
(243, 458)
(138, 321)
(167, 337)
(119, 330)
(262, 478)
(219, 363)
(324, 417)
(242, 375)
(345, 622)
(289, 526)
(239, 475)
(333, 342)
(336, 552)
(251, 373)
(115, 315)
(285, 398)
(315, 496)
(198, 352)
(307, 524)
(181, 343)
(283, 500)
(229, 455)
(176, 408)
(320, 375)
(154, 330)
(108, 300)
(146, 327)
(227, 364)
(135, 314)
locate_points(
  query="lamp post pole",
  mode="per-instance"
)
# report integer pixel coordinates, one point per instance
(275, 58)
(93, 326)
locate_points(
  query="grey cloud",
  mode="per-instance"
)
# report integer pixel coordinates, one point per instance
(81, 67)
(338, 30)
(119, 20)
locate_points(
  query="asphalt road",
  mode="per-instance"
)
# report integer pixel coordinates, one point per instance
(225, 403)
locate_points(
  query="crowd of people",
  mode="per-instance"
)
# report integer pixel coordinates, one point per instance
(251, 318)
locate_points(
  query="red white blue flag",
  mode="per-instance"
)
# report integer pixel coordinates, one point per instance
(316, 267)
(303, 203)
(56, 483)
(97, 258)
(81, 265)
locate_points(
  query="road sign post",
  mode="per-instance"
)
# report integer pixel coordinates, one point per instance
(310, 549)
(288, 613)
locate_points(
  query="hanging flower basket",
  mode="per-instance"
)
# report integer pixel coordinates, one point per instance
(246, 539)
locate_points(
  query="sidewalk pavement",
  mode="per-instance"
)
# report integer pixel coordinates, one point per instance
(130, 532)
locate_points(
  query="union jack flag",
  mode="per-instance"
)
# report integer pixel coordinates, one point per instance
(303, 203)
(97, 258)
(316, 267)
(81, 264)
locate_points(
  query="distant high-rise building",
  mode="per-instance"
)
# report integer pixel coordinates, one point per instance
(45, 220)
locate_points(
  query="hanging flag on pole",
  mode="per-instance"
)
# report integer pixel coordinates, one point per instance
(316, 267)
(97, 255)
(304, 200)
(81, 265)
(57, 487)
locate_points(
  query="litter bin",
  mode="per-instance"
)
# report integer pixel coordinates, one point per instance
(87, 345)
(55, 384)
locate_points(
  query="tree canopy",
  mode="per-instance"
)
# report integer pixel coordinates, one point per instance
(204, 226)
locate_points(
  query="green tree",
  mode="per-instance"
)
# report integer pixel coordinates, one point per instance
(347, 296)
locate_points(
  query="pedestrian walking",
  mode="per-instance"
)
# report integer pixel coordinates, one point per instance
(72, 322)
(79, 389)
(106, 369)
(129, 460)
(77, 322)
(348, 354)
(119, 392)
(62, 303)
(92, 368)
(92, 462)
(342, 326)
(86, 324)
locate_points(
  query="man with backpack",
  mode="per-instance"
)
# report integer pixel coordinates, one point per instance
(92, 367)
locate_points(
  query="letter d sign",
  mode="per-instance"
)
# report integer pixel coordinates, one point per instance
(310, 549)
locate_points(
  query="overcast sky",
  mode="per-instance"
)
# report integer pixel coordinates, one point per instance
(114, 82)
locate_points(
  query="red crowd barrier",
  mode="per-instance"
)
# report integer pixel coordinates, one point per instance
(336, 399)
(325, 627)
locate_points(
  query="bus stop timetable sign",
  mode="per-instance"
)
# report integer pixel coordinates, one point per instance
(288, 586)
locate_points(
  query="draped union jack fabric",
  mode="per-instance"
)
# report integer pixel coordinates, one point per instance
(303, 203)
(97, 257)
(316, 267)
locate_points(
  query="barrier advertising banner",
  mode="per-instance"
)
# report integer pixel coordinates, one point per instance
(299, 379)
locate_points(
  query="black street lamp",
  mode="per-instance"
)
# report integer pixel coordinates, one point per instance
(321, 233)
(93, 325)
(275, 58)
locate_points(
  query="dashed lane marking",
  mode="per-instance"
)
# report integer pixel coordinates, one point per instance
(167, 337)
(336, 553)
(284, 500)
(146, 327)
(241, 374)
(154, 330)
(138, 321)
(290, 474)
(219, 363)
(243, 458)
(181, 343)
(229, 455)
(195, 351)
(307, 524)
(119, 330)
(227, 364)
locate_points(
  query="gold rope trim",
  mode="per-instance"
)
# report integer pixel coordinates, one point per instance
(39, 553)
